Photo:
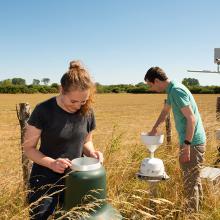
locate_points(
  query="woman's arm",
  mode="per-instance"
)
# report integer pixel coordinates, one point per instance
(89, 149)
(31, 138)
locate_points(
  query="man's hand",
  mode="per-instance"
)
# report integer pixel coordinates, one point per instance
(185, 154)
(153, 132)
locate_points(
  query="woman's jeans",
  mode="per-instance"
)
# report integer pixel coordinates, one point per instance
(44, 196)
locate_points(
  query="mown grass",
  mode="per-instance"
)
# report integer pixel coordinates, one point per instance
(120, 120)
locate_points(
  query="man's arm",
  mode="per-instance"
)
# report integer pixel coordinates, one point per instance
(190, 122)
(162, 117)
(190, 128)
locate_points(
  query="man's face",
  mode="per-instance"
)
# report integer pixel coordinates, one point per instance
(153, 86)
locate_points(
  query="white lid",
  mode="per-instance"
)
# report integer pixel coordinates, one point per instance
(85, 164)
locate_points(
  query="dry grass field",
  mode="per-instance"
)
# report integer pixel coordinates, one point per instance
(120, 120)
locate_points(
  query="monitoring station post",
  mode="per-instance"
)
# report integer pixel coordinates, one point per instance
(216, 60)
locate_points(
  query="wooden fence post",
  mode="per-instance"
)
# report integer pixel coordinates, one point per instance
(218, 109)
(168, 129)
(23, 114)
(217, 162)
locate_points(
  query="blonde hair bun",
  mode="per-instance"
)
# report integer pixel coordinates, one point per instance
(75, 64)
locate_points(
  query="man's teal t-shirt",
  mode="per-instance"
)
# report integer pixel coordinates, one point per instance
(178, 96)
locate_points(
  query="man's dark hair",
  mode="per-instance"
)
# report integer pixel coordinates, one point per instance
(155, 72)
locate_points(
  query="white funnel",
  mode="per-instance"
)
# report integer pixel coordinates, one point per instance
(152, 142)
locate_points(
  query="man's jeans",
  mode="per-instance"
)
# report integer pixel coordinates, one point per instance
(191, 178)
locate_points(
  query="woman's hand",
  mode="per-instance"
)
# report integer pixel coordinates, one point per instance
(59, 165)
(98, 155)
(89, 149)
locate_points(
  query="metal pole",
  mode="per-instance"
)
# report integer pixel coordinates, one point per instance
(153, 192)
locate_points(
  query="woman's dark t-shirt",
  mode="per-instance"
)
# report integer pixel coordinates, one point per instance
(63, 133)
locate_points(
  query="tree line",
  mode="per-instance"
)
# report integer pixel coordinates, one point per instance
(18, 85)
(22, 82)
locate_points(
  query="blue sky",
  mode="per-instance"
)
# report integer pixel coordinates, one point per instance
(118, 40)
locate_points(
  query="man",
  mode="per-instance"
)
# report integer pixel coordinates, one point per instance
(190, 129)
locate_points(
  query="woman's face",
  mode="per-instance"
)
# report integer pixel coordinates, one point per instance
(73, 100)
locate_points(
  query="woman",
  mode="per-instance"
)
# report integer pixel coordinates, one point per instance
(64, 126)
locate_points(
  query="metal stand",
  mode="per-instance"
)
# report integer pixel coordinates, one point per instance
(152, 169)
(153, 188)
(153, 193)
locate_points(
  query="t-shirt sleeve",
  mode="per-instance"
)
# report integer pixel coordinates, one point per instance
(36, 119)
(180, 97)
(91, 122)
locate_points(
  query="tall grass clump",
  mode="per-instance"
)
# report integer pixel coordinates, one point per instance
(133, 196)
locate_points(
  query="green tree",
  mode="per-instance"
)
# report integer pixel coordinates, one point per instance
(45, 81)
(140, 84)
(18, 81)
(6, 82)
(190, 82)
(55, 85)
(36, 82)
